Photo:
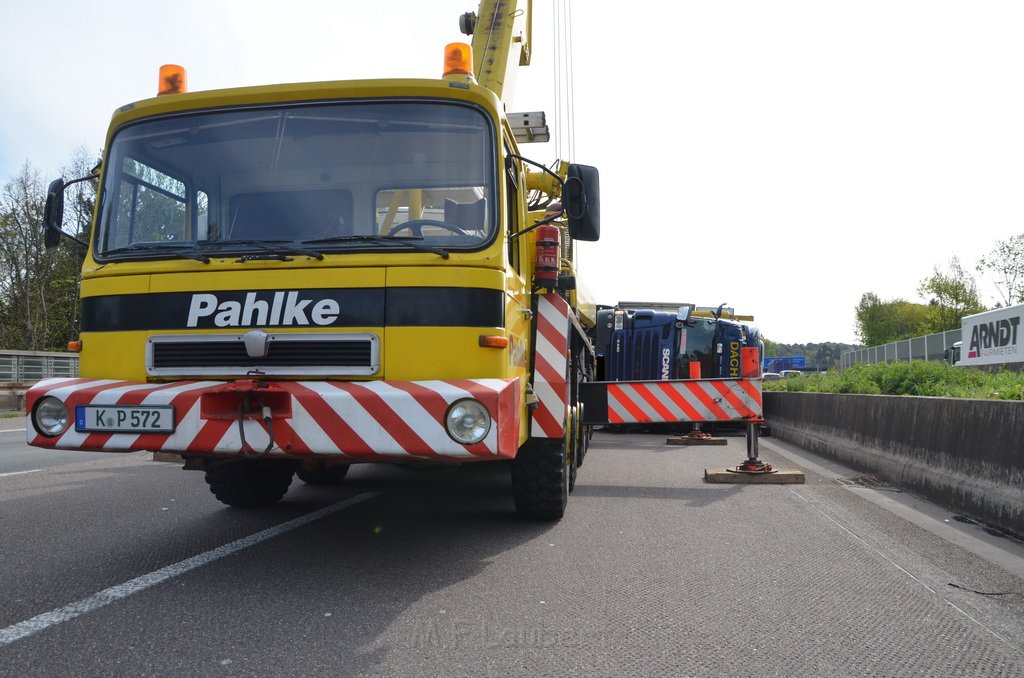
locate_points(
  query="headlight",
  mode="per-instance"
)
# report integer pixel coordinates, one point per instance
(50, 416)
(467, 421)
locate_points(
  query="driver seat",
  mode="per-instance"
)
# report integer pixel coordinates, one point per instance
(468, 216)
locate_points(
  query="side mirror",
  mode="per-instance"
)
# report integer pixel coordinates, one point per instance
(581, 197)
(53, 215)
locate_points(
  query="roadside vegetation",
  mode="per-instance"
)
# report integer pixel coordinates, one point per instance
(917, 377)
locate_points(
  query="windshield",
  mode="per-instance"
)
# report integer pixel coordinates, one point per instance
(699, 346)
(394, 176)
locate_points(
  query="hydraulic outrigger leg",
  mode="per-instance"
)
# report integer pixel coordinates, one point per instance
(752, 464)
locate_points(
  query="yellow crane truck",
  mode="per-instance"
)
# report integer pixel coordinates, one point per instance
(287, 280)
(291, 279)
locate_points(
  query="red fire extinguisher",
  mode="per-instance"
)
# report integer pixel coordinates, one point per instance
(549, 251)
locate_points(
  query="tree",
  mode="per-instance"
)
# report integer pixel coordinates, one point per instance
(953, 295)
(22, 261)
(869, 315)
(39, 287)
(880, 322)
(1006, 263)
(64, 280)
(829, 354)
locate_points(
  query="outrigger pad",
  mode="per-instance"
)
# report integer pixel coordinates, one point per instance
(686, 440)
(778, 477)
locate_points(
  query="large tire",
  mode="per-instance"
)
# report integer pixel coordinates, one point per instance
(319, 473)
(540, 479)
(250, 483)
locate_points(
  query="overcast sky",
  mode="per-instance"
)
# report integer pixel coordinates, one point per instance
(782, 157)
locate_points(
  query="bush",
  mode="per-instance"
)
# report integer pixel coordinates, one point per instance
(917, 377)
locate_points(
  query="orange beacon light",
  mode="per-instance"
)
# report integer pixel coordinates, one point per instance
(173, 80)
(458, 59)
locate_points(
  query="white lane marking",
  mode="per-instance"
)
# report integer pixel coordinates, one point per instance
(902, 569)
(13, 430)
(926, 515)
(19, 473)
(123, 590)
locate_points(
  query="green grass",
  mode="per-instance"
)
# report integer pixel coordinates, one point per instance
(917, 377)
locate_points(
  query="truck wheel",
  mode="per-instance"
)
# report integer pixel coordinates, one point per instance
(319, 473)
(540, 479)
(250, 483)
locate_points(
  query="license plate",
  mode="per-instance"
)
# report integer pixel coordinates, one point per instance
(125, 418)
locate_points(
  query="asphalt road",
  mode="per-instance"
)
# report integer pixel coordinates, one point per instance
(17, 457)
(117, 565)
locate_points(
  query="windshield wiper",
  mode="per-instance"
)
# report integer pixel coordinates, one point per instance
(274, 249)
(410, 241)
(168, 250)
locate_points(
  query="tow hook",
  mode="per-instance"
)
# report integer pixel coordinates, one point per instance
(248, 399)
(245, 409)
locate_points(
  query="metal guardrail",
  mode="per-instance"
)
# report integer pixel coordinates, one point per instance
(928, 347)
(26, 367)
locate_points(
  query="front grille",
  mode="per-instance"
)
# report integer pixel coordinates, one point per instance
(347, 354)
(636, 354)
(647, 345)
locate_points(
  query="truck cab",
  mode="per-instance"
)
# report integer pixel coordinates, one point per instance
(300, 277)
(650, 344)
(952, 354)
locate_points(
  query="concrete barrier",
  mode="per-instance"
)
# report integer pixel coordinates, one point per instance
(12, 396)
(965, 455)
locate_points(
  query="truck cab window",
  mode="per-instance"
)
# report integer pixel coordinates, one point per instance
(451, 213)
(342, 174)
(512, 198)
(202, 211)
(151, 206)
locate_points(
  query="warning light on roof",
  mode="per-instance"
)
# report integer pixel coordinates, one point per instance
(173, 80)
(458, 59)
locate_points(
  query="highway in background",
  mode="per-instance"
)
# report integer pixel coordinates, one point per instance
(121, 565)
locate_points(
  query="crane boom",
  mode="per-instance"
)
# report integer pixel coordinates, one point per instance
(502, 33)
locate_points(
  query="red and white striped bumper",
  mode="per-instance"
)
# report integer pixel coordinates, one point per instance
(698, 400)
(363, 421)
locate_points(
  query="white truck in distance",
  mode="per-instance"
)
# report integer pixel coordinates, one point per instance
(991, 338)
